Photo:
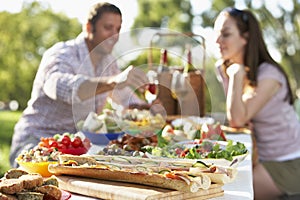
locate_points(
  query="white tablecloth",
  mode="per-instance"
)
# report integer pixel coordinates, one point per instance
(241, 188)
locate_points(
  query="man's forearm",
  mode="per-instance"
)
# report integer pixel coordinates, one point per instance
(95, 86)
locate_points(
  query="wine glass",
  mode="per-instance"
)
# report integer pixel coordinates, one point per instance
(151, 90)
(179, 87)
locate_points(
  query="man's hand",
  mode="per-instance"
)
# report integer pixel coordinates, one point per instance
(133, 77)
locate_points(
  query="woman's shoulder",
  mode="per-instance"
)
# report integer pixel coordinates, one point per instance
(268, 70)
(267, 67)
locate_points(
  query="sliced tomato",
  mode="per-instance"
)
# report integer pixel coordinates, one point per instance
(172, 176)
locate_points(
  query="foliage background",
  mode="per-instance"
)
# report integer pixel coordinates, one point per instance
(7, 121)
(26, 35)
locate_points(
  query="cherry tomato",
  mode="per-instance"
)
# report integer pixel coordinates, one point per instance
(43, 144)
(76, 142)
(53, 144)
(43, 139)
(152, 88)
(61, 146)
(66, 140)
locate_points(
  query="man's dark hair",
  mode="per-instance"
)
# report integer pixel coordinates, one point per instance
(99, 9)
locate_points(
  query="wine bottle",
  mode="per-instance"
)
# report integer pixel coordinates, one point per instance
(189, 66)
(163, 65)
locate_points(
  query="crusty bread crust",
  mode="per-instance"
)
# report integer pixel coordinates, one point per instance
(11, 186)
(14, 173)
(28, 186)
(31, 181)
(7, 197)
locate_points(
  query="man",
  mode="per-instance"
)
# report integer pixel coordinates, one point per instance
(75, 78)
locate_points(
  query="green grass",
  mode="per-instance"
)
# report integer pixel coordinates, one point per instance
(8, 120)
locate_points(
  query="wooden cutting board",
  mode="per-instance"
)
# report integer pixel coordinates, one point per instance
(127, 191)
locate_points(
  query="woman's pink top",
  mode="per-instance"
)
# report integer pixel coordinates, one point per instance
(276, 125)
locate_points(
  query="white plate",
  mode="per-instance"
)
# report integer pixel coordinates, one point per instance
(193, 119)
(192, 143)
(217, 161)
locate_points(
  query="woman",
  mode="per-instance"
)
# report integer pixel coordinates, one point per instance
(259, 94)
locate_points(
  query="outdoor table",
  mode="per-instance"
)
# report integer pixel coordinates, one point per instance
(240, 188)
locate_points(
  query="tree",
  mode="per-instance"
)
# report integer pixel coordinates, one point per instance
(172, 14)
(24, 37)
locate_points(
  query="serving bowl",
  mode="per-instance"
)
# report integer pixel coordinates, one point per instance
(102, 138)
(37, 167)
(74, 151)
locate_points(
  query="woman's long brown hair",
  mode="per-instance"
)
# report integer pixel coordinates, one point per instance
(256, 51)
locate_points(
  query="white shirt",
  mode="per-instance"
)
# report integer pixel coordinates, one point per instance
(54, 106)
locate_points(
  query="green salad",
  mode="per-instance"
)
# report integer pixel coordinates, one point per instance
(199, 149)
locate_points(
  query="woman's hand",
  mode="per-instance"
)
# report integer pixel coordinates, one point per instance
(236, 70)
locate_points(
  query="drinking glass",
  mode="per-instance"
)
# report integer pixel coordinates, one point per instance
(179, 88)
(151, 90)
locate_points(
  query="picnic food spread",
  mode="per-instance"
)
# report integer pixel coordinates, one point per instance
(196, 164)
